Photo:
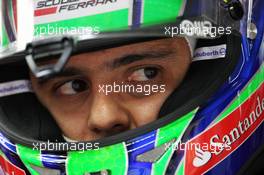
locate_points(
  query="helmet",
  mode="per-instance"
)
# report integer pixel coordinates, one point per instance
(211, 123)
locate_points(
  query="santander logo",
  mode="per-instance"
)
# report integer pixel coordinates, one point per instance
(202, 157)
(225, 136)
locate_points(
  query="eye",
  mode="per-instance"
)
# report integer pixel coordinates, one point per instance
(144, 74)
(73, 87)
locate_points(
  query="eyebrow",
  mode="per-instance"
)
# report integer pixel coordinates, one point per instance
(131, 58)
(67, 72)
(118, 62)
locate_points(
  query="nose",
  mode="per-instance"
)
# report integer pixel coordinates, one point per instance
(107, 116)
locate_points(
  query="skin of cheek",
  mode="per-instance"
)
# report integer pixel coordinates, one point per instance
(145, 110)
(75, 127)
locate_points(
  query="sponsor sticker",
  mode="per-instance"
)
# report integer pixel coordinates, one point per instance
(209, 53)
(15, 87)
(9, 168)
(226, 135)
(47, 11)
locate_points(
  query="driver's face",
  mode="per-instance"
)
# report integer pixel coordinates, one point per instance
(77, 97)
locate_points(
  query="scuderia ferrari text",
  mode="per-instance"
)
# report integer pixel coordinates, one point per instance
(70, 5)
